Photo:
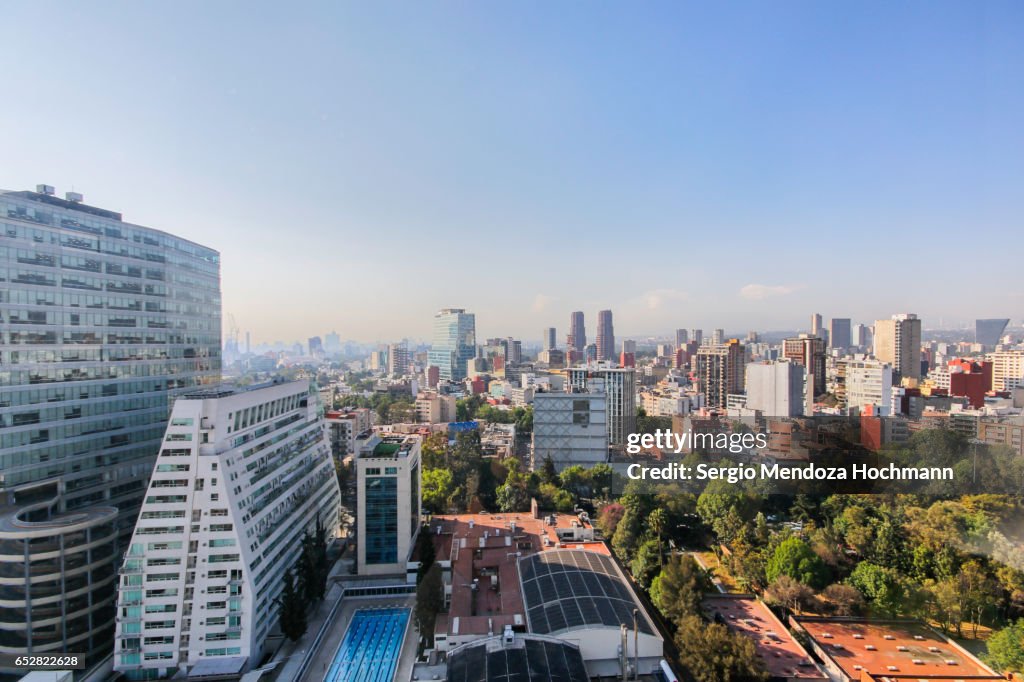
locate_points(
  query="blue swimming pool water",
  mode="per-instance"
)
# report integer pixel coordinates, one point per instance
(370, 649)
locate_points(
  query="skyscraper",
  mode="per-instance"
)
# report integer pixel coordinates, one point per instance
(577, 339)
(399, 359)
(108, 320)
(816, 328)
(987, 332)
(605, 336)
(681, 337)
(718, 337)
(839, 333)
(549, 339)
(720, 370)
(454, 343)
(808, 351)
(898, 342)
(697, 336)
(243, 473)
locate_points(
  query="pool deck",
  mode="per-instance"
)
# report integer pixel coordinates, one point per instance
(324, 656)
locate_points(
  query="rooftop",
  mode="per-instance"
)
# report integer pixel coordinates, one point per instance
(750, 617)
(893, 650)
(524, 658)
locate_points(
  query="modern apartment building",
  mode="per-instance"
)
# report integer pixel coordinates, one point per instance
(898, 342)
(775, 389)
(619, 385)
(720, 371)
(869, 382)
(1007, 370)
(101, 323)
(241, 475)
(389, 509)
(570, 428)
(454, 343)
(808, 351)
(605, 336)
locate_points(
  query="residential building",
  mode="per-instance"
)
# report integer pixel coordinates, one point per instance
(435, 408)
(1008, 431)
(869, 382)
(619, 383)
(862, 337)
(570, 428)
(717, 337)
(454, 343)
(102, 322)
(1007, 370)
(697, 336)
(898, 342)
(816, 328)
(388, 507)
(343, 426)
(605, 336)
(241, 475)
(775, 389)
(399, 359)
(720, 370)
(808, 351)
(840, 334)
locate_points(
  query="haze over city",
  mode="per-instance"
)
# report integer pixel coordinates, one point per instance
(718, 167)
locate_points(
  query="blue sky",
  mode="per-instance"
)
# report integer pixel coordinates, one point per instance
(359, 165)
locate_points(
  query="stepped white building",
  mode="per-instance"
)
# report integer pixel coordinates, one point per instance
(241, 474)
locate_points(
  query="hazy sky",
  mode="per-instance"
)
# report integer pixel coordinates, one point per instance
(360, 165)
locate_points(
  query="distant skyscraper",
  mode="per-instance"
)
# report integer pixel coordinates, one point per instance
(697, 336)
(720, 370)
(628, 346)
(454, 343)
(332, 343)
(316, 346)
(681, 337)
(987, 332)
(809, 351)
(577, 339)
(399, 359)
(102, 323)
(839, 333)
(816, 329)
(862, 336)
(550, 336)
(898, 342)
(605, 336)
(718, 337)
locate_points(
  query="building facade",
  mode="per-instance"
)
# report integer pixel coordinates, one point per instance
(869, 382)
(1007, 370)
(775, 389)
(720, 370)
(619, 385)
(570, 428)
(605, 336)
(389, 509)
(898, 342)
(101, 323)
(454, 343)
(241, 475)
(577, 338)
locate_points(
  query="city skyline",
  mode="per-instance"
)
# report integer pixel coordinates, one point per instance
(856, 146)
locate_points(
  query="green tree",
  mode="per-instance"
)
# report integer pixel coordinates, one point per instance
(647, 562)
(657, 524)
(1005, 649)
(438, 488)
(795, 558)
(291, 610)
(681, 586)
(426, 552)
(713, 654)
(881, 586)
(429, 602)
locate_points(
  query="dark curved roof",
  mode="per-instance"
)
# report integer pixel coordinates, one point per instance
(526, 659)
(568, 589)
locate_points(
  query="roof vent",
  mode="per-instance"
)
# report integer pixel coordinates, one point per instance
(45, 189)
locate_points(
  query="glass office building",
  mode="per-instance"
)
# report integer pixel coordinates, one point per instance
(101, 323)
(454, 343)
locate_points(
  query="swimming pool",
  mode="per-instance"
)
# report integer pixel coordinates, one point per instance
(370, 649)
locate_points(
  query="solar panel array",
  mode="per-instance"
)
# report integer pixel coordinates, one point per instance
(570, 589)
(528, 660)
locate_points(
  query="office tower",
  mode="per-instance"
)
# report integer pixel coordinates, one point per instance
(720, 370)
(454, 343)
(629, 346)
(106, 321)
(987, 332)
(605, 336)
(808, 351)
(619, 385)
(816, 328)
(776, 389)
(388, 502)
(399, 359)
(316, 346)
(869, 382)
(718, 337)
(577, 339)
(898, 342)
(1007, 370)
(697, 336)
(839, 333)
(513, 351)
(570, 428)
(681, 337)
(242, 474)
(549, 337)
(665, 350)
(862, 336)
(332, 343)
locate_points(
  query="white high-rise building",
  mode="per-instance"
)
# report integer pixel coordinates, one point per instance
(898, 342)
(869, 382)
(619, 383)
(241, 475)
(776, 389)
(1007, 370)
(389, 503)
(570, 428)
